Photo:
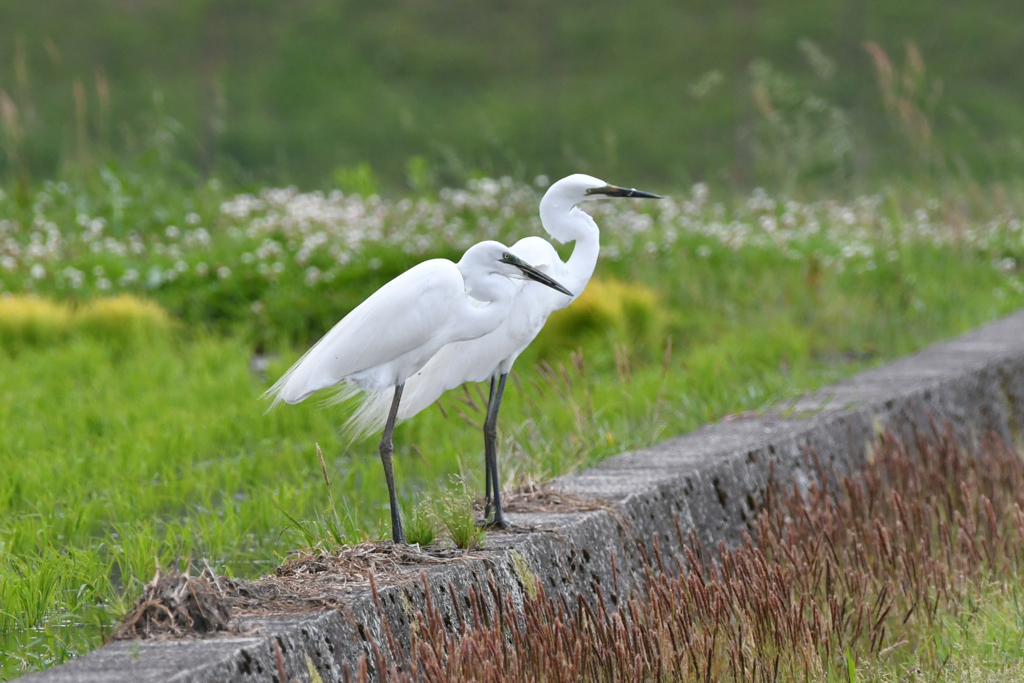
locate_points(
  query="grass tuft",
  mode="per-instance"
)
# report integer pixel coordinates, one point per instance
(29, 320)
(420, 528)
(123, 320)
(120, 321)
(609, 310)
(456, 511)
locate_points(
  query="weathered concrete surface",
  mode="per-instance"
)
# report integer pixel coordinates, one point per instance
(710, 480)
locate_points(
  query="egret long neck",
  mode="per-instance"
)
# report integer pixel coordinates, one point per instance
(567, 223)
(583, 260)
(493, 294)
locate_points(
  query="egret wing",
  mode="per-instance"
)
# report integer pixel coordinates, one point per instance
(476, 360)
(393, 322)
(455, 364)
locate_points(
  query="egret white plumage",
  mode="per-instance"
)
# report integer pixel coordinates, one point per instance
(394, 332)
(491, 356)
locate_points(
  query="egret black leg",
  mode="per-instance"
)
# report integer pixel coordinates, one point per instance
(491, 453)
(489, 445)
(386, 450)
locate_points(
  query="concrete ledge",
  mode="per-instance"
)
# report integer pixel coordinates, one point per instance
(710, 480)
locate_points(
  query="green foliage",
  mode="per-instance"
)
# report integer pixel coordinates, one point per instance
(455, 508)
(123, 320)
(280, 266)
(800, 134)
(120, 322)
(419, 527)
(358, 179)
(420, 175)
(703, 304)
(608, 312)
(327, 530)
(112, 461)
(33, 321)
(289, 93)
(324, 530)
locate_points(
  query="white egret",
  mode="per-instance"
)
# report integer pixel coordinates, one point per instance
(491, 356)
(390, 336)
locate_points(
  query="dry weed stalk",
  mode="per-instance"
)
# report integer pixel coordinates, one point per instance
(836, 571)
(909, 96)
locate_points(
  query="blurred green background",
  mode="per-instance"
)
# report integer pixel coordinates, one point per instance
(652, 91)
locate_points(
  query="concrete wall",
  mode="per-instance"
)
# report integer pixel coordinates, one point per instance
(710, 481)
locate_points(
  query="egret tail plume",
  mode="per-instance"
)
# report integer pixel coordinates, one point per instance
(371, 412)
(274, 392)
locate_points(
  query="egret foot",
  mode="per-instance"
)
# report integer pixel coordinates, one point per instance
(504, 525)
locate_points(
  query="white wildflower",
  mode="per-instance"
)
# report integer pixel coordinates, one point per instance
(75, 277)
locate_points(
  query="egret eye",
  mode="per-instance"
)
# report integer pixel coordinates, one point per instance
(506, 256)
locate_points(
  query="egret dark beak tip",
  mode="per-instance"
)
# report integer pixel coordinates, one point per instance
(533, 274)
(616, 191)
(633, 193)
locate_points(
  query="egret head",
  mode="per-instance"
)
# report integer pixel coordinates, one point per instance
(580, 187)
(565, 223)
(494, 258)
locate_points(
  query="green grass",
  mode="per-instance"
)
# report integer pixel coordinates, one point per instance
(124, 445)
(455, 509)
(115, 459)
(117, 456)
(981, 641)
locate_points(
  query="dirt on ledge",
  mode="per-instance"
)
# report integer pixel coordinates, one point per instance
(175, 605)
